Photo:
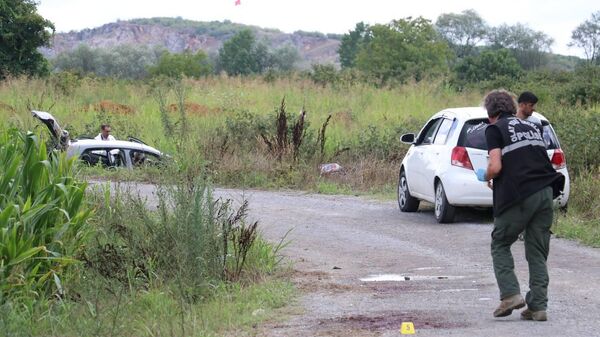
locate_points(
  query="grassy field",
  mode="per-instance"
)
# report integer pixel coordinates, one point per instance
(133, 107)
(221, 125)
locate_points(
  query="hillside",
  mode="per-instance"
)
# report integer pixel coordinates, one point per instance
(177, 35)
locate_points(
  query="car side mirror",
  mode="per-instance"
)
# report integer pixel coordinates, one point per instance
(408, 138)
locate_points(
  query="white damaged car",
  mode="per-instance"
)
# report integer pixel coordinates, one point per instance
(107, 153)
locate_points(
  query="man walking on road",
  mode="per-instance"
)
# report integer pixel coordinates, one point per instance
(524, 185)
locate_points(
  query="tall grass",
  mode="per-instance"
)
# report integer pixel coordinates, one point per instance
(352, 108)
(582, 222)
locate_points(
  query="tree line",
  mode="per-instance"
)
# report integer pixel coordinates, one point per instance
(240, 55)
(461, 45)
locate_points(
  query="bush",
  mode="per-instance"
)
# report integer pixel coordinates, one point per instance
(192, 242)
(184, 64)
(579, 134)
(243, 55)
(43, 217)
(383, 143)
(585, 87)
(489, 65)
(282, 135)
(324, 74)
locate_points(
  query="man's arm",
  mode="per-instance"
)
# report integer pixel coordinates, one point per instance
(494, 144)
(494, 164)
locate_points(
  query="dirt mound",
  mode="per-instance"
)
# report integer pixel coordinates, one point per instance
(195, 109)
(344, 117)
(109, 106)
(6, 107)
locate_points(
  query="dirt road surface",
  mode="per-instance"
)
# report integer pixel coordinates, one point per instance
(363, 268)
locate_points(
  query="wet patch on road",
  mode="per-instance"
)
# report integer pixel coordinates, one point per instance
(402, 278)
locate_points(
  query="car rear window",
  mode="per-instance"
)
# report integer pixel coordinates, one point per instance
(472, 135)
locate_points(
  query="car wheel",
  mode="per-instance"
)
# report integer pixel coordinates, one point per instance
(407, 202)
(444, 212)
(564, 209)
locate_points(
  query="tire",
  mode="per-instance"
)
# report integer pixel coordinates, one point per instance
(406, 202)
(564, 209)
(443, 211)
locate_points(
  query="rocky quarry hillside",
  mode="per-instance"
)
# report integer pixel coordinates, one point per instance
(178, 35)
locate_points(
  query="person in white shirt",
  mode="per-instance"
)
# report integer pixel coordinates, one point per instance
(105, 133)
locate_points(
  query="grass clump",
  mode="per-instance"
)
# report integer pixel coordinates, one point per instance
(582, 221)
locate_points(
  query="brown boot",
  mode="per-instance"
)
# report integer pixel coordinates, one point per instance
(509, 304)
(530, 315)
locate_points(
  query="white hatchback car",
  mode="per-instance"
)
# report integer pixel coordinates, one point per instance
(439, 166)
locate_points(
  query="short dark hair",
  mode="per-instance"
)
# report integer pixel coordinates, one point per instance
(104, 126)
(499, 101)
(527, 97)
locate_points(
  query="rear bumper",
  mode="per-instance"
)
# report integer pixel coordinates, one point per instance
(563, 199)
(463, 189)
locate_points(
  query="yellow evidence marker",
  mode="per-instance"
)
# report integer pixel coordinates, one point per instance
(407, 328)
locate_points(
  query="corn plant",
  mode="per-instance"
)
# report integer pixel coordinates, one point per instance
(42, 215)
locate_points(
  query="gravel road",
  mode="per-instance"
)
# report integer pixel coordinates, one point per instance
(364, 268)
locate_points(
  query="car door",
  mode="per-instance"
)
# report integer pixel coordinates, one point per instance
(432, 156)
(420, 158)
(141, 158)
(109, 157)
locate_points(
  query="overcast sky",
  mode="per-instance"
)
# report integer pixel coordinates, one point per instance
(556, 18)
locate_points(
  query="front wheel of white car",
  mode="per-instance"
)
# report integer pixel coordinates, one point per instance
(444, 212)
(407, 202)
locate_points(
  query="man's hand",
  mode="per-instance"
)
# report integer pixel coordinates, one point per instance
(481, 174)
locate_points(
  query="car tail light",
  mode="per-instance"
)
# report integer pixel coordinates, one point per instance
(558, 159)
(460, 157)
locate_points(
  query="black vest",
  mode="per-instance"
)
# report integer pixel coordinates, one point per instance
(526, 168)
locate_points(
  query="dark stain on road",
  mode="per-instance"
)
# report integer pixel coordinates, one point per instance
(391, 320)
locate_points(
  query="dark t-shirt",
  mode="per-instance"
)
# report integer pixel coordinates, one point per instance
(526, 168)
(493, 138)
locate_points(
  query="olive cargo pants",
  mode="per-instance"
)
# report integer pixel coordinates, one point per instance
(534, 215)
